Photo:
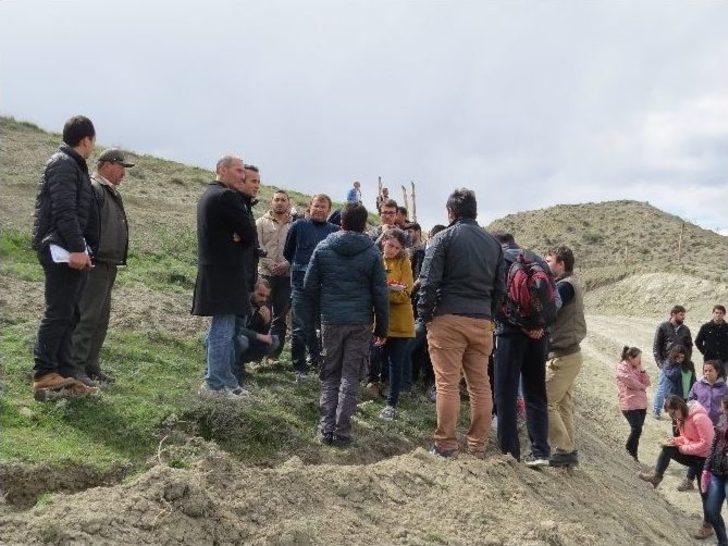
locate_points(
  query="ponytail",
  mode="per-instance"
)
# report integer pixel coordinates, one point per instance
(630, 352)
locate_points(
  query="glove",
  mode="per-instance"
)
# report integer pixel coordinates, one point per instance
(705, 481)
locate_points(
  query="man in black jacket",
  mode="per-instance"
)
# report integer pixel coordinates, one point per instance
(227, 269)
(669, 333)
(67, 226)
(462, 282)
(95, 304)
(712, 340)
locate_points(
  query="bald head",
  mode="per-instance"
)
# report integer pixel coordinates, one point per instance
(230, 170)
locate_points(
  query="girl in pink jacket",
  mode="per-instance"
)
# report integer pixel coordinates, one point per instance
(632, 383)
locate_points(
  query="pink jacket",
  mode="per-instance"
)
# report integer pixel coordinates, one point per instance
(696, 433)
(631, 387)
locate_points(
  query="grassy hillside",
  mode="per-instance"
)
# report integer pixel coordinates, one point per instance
(614, 239)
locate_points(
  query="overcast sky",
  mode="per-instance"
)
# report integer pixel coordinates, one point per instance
(529, 103)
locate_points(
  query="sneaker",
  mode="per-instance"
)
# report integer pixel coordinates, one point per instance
(535, 461)
(341, 442)
(650, 477)
(52, 381)
(86, 380)
(80, 389)
(704, 531)
(494, 423)
(564, 459)
(226, 392)
(685, 485)
(444, 453)
(388, 413)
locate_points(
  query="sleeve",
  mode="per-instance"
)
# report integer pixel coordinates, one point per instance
(672, 372)
(381, 297)
(431, 278)
(700, 340)
(407, 281)
(688, 342)
(566, 291)
(657, 346)
(711, 457)
(705, 437)
(499, 292)
(235, 216)
(630, 380)
(264, 261)
(61, 179)
(289, 248)
(645, 378)
(691, 394)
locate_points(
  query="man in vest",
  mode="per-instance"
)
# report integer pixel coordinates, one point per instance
(95, 305)
(564, 358)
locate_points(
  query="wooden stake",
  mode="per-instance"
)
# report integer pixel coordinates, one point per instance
(414, 202)
(679, 243)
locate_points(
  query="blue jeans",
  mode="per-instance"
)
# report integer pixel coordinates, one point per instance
(221, 352)
(659, 400)
(717, 491)
(395, 352)
(303, 335)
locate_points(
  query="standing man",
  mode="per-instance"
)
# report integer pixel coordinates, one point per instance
(354, 195)
(95, 304)
(226, 268)
(66, 217)
(712, 340)
(301, 241)
(387, 220)
(671, 332)
(564, 358)
(520, 356)
(461, 283)
(346, 281)
(273, 228)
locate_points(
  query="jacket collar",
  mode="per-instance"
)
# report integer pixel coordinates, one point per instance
(66, 149)
(270, 216)
(469, 221)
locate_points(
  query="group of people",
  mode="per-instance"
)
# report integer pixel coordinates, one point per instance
(697, 408)
(378, 306)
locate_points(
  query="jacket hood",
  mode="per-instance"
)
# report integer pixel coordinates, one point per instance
(349, 243)
(695, 407)
(719, 382)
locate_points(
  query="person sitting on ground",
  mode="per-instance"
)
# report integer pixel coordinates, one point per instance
(678, 372)
(709, 390)
(401, 319)
(689, 448)
(346, 280)
(712, 339)
(255, 341)
(714, 480)
(632, 383)
(461, 284)
(669, 333)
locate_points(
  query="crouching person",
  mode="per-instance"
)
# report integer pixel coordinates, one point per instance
(346, 281)
(254, 339)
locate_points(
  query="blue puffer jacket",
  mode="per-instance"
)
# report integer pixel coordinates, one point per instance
(346, 278)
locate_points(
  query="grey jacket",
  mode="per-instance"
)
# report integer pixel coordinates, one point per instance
(463, 273)
(346, 279)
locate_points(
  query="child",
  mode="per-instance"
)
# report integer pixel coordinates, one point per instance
(678, 372)
(632, 383)
(715, 477)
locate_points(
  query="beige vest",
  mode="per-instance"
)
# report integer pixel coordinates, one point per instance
(271, 237)
(570, 326)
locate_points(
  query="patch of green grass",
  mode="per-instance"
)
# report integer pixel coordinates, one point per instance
(17, 256)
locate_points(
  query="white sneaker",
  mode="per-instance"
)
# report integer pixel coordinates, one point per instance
(532, 461)
(388, 413)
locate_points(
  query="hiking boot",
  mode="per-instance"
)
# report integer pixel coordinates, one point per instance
(388, 413)
(79, 389)
(535, 461)
(103, 378)
(650, 477)
(564, 459)
(86, 380)
(444, 453)
(341, 442)
(685, 485)
(705, 531)
(52, 381)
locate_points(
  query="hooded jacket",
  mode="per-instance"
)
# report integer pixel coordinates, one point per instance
(695, 433)
(674, 375)
(346, 280)
(712, 341)
(710, 396)
(631, 387)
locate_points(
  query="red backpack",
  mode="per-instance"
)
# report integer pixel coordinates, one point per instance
(530, 300)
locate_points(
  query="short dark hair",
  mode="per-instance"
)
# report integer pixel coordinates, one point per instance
(719, 307)
(564, 255)
(395, 233)
(462, 204)
(251, 168)
(76, 129)
(414, 226)
(437, 228)
(677, 309)
(402, 210)
(389, 203)
(354, 217)
(284, 192)
(504, 238)
(676, 350)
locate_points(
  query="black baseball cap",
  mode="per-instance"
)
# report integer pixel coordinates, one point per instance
(114, 155)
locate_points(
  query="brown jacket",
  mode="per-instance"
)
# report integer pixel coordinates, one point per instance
(272, 238)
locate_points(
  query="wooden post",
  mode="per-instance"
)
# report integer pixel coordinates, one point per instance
(404, 196)
(414, 203)
(379, 192)
(679, 243)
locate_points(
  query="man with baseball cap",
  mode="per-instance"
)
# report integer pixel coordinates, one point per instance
(95, 304)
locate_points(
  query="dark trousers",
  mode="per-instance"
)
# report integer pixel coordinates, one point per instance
(304, 333)
(395, 352)
(94, 311)
(672, 453)
(517, 356)
(636, 419)
(63, 289)
(280, 300)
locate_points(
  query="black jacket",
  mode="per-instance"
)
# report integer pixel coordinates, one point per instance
(66, 210)
(666, 337)
(463, 273)
(227, 243)
(712, 341)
